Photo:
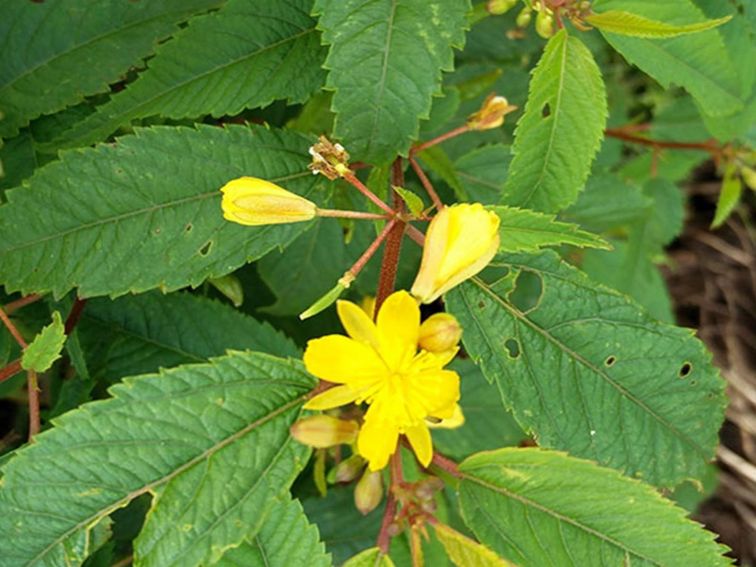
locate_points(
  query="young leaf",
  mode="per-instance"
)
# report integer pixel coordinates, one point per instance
(137, 334)
(46, 347)
(560, 132)
(286, 539)
(625, 23)
(522, 230)
(145, 213)
(400, 48)
(211, 441)
(93, 41)
(413, 201)
(586, 370)
(369, 558)
(558, 510)
(729, 196)
(466, 552)
(697, 62)
(243, 56)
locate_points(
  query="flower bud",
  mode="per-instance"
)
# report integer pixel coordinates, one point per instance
(329, 159)
(544, 24)
(439, 333)
(524, 17)
(322, 431)
(491, 113)
(252, 201)
(749, 176)
(461, 240)
(368, 492)
(498, 7)
(347, 470)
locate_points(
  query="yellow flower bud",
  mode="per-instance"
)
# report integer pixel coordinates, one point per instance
(439, 333)
(544, 24)
(524, 17)
(461, 240)
(491, 113)
(749, 176)
(368, 492)
(323, 431)
(498, 7)
(347, 470)
(252, 201)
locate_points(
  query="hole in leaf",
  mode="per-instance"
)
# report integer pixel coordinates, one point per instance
(527, 291)
(481, 304)
(157, 231)
(188, 227)
(513, 347)
(546, 110)
(205, 250)
(685, 369)
(610, 360)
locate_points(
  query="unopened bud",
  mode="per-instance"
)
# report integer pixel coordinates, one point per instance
(524, 17)
(544, 24)
(439, 333)
(749, 176)
(253, 202)
(329, 159)
(491, 113)
(322, 431)
(368, 492)
(347, 470)
(498, 7)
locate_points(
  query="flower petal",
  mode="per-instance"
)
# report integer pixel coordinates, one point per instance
(357, 323)
(332, 398)
(398, 329)
(456, 420)
(339, 359)
(377, 442)
(420, 439)
(436, 392)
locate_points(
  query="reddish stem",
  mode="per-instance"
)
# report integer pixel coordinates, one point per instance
(362, 188)
(416, 235)
(427, 184)
(74, 315)
(371, 250)
(438, 139)
(621, 134)
(10, 370)
(12, 328)
(446, 465)
(393, 247)
(33, 390)
(22, 302)
(397, 478)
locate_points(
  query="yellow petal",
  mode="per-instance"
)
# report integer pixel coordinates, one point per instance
(398, 328)
(420, 439)
(377, 442)
(436, 392)
(252, 201)
(357, 323)
(332, 398)
(339, 359)
(457, 419)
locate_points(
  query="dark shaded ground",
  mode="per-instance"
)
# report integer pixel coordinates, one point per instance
(712, 279)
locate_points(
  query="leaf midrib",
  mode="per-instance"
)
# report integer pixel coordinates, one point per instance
(175, 472)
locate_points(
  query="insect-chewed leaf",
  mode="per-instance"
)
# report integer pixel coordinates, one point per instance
(586, 370)
(46, 44)
(211, 441)
(145, 213)
(46, 346)
(558, 510)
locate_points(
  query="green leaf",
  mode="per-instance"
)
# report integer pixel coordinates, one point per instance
(522, 230)
(483, 171)
(17, 160)
(400, 48)
(210, 441)
(46, 347)
(729, 196)
(586, 370)
(136, 334)
(437, 161)
(243, 56)
(308, 267)
(560, 132)
(563, 511)
(625, 23)
(286, 539)
(145, 213)
(412, 200)
(698, 62)
(63, 52)
(369, 558)
(466, 552)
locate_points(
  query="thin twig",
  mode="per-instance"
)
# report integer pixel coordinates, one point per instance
(621, 134)
(426, 184)
(33, 393)
(22, 302)
(12, 328)
(74, 315)
(362, 188)
(446, 465)
(370, 251)
(415, 235)
(438, 139)
(10, 370)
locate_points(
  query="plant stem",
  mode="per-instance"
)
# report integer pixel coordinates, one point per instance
(350, 214)
(393, 247)
(416, 235)
(438, 139)
(622, 134)
(427, 184)
(384, 537)
(368, 253)
(10, 370)
(362, 188)
(446, 465)
(74, 315)
(33, 392)
(12, 328)
(22, 302)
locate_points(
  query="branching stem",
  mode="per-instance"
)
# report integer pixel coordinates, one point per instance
(362, 188)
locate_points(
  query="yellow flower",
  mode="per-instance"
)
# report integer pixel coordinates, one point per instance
(252, 201)
(491, 113)
(378, 363)
(461, 240)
